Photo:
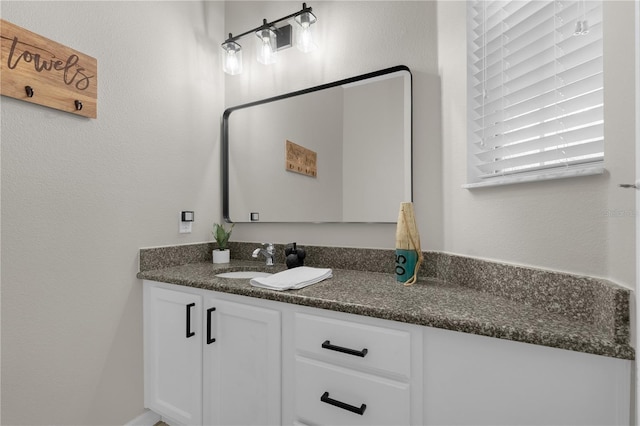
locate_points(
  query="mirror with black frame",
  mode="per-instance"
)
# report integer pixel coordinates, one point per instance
(339, 152)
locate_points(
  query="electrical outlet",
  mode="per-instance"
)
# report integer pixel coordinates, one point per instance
(185, 227)
(185, 220)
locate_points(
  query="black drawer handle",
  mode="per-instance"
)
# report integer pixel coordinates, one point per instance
(209, 338)
(340, 404)
(327, 345)
(189, 332)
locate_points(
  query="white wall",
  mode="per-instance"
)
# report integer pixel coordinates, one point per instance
(581, 225)
(636, 302)
(81, 196)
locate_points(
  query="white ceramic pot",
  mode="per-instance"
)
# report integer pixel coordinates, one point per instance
(221, 256)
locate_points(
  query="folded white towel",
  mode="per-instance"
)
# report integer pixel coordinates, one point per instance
(294, 278)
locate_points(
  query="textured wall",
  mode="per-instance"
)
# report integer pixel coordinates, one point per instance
(81, 196)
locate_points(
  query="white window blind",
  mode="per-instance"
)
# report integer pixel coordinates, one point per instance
(535, 90)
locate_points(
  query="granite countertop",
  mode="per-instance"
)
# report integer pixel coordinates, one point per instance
(429, 302)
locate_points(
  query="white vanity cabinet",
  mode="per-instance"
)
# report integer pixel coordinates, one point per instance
(173, 353)
(242, 367)
(478, 380)
(352, 370)
(278, 363)
(209, 359)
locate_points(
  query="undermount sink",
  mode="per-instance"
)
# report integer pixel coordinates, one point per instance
(243, 274)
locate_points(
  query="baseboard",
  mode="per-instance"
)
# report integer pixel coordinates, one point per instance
(148, 418)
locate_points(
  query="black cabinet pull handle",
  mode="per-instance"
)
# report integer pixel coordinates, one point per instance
(189, 332)
(209, 338)
(340, 404)
(327, 345)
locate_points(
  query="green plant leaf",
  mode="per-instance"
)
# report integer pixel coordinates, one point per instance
(221, 235)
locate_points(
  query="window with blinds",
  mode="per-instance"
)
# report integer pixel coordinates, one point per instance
(535, 90)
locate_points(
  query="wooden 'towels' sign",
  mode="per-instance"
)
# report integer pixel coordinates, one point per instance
(36, 69)
(299, 159)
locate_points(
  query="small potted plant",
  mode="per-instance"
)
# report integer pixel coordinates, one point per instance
(221, 235)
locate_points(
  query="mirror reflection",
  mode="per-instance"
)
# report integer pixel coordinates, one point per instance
(340, 152)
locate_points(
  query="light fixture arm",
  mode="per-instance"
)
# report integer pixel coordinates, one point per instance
(270, 25)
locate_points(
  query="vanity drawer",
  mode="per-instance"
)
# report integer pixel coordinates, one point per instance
(353, 344)
(350, 397)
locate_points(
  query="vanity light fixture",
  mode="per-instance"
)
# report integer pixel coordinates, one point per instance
(266, 45)
(270, 39)
(232, 57)
(305, 37)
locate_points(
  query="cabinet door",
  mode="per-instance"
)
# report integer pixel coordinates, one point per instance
(173, 353)
(242, 365)
(477, 380)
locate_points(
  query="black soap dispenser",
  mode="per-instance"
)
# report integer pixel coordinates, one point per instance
(295, 256)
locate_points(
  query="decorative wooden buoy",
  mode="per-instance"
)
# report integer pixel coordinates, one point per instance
(408, 250)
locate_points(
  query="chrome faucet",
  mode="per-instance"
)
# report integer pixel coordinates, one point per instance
(269, 253)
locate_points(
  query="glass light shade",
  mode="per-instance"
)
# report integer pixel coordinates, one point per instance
(304, 38)
(231, 58)
(266, 46)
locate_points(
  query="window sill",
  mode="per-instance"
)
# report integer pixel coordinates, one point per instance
(509, 180)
